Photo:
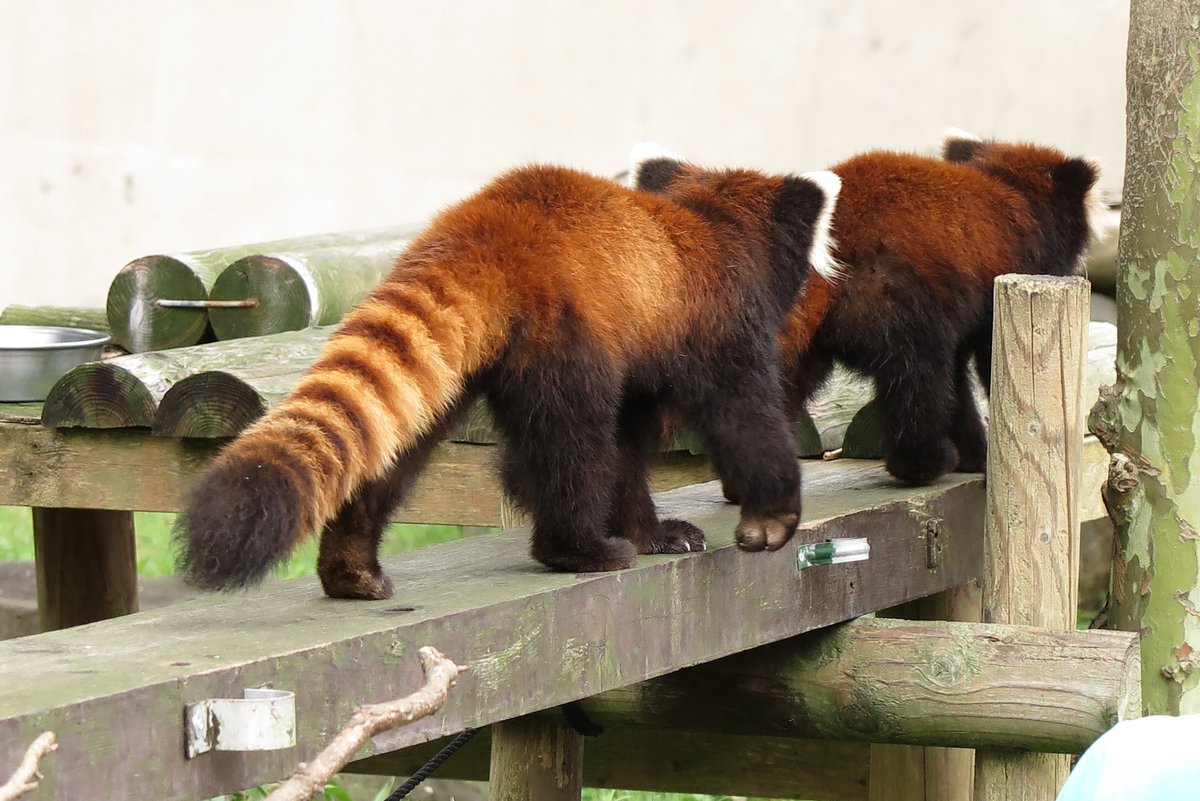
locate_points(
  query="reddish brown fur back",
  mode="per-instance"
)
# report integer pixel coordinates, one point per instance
(541, 263)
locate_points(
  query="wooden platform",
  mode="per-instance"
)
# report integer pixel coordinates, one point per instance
(533, 639)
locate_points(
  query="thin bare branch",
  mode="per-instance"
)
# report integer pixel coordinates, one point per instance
(25, 777)
(310, 779)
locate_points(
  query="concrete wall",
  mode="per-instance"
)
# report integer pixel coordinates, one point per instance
(139, 126)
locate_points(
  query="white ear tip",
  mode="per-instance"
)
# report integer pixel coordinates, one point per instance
(644, 151)
(830, 182)
(953, 133)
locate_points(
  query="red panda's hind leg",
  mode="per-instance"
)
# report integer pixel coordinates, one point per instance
(561, 457)
(633, 515)
(348, 558)
(917, 400)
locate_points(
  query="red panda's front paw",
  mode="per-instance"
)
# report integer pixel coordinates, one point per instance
(766, 532)
(677, 536)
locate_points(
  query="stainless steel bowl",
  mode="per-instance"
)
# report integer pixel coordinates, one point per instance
(33, 357)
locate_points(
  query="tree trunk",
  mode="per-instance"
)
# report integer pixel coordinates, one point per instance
(1151, 421)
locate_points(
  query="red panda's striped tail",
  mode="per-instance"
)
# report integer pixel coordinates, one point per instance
(396, 365)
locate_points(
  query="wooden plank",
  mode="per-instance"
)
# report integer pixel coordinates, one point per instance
(535, 759)
(533, 639)
(676, 762)
(127, 469)
(86, 563)
(1035, 456)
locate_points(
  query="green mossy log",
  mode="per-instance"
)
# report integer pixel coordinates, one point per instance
(128, 390)
(66, 316)
(139, 323)
(299, 289)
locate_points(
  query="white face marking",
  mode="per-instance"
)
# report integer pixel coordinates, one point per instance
(820, 255)
(643, 152)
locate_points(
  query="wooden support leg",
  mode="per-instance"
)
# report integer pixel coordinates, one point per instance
(1031, 540)
(536, 760)
(86, 565)
(920, 773)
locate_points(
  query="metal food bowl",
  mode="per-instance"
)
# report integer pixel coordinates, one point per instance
(33, 357)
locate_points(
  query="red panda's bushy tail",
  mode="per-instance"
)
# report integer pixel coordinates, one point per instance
(398, 362)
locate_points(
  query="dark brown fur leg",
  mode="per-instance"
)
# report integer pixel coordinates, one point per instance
(633, 514)
(348, 558)
(561, 458)
(740, 417)
(917, 401)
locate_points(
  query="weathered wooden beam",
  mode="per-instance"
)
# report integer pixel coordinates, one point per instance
(676, 762)
(295, 290)
(139, 322)
(86, 563)
(533, 639)
(892, 681)
(68, 316)
(927, 773)
(128, 390)
(1033, 502)
(535, 759)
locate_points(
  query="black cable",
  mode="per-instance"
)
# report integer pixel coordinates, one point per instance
(433, 764)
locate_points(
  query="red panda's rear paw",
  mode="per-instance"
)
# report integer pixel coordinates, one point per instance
(364, 585)
(766, 532)
(677, 536)
(920, 466)
(611, 553)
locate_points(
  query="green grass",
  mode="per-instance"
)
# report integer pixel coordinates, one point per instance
(155, 558)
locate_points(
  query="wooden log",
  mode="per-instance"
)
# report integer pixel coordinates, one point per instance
(935, 683)
(86, 564)
(138, 321)
(67, 316)
(675, 762)
(295, 290)
(128, 390)
(533, 639)
(536, 759)
(927, 773)
(1031, 563)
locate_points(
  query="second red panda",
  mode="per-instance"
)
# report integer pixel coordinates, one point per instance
(920, 241)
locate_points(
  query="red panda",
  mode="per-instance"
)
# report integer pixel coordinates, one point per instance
(920, 241)
(578, 308)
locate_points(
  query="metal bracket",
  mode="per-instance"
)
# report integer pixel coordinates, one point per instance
(833, 552)
(262, 720)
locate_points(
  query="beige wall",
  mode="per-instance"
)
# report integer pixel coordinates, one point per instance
(136, 126)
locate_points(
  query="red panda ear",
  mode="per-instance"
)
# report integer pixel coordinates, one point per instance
(1075, 176)
(960, 151)
(656, 175)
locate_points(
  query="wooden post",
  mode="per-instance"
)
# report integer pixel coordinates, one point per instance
(536, 760)
(1031, 541)
(86, 562)
(925, 773)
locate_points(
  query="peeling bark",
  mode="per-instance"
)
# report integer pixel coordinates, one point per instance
(1152, 420)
